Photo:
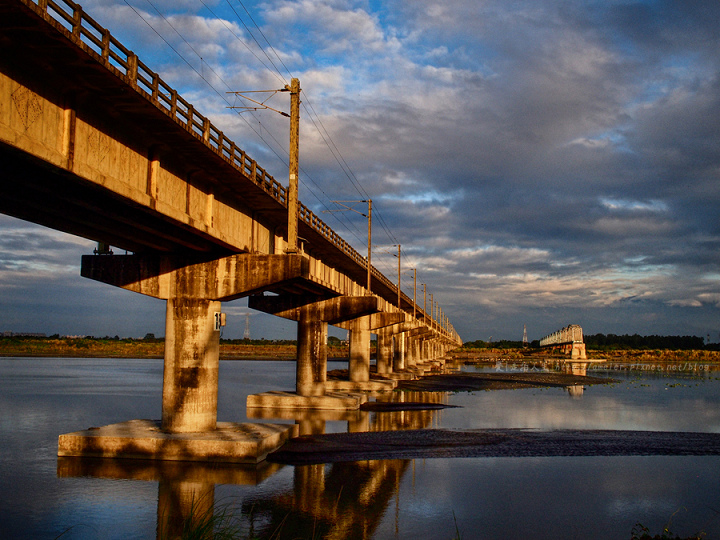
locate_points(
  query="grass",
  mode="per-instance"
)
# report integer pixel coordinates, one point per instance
(640, 532)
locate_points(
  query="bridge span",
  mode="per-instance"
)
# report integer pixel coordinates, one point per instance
(96, 144)
(568, 340)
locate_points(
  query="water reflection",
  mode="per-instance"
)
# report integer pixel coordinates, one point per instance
(590, 498)
(342, 500)
(186, 490)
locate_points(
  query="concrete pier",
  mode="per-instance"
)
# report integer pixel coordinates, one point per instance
(193, 289)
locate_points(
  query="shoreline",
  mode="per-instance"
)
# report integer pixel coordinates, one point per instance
(24, 347)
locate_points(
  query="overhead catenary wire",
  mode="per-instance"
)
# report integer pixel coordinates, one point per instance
(324, 134)
(312, 114)
(220, 94)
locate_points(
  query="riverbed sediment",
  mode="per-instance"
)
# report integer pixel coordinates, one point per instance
(438, 443)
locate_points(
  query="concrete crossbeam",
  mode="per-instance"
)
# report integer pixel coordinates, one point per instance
(379, 320)
(226, 278)
(332, 311)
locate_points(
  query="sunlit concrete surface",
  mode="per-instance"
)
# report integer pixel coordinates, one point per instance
(291, 400)
(143, 439)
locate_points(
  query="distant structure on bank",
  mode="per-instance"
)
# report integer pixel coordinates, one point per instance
(568, 340)
(525, 339)
(246, 335)
(23, 334)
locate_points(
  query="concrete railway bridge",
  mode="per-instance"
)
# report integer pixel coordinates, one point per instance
(95, 144)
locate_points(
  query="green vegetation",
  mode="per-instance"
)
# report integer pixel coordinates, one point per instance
(149, 347)
(640, 532)
(612, 342)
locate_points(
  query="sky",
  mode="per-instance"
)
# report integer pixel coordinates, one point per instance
(541, 162)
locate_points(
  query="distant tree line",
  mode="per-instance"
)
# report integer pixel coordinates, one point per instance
(615, 342)
(609, 342)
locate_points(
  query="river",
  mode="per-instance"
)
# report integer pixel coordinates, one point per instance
(553, 497)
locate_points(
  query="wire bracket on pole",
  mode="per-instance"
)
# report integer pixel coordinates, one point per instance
(261, 105)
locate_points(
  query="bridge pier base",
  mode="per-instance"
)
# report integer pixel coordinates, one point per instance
(312, 389)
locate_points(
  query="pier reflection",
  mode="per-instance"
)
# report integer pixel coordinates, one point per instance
(343, 500)
(339, 500)
(347, 499)
(186, 490)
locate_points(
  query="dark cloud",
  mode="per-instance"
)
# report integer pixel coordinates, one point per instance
(541, 162)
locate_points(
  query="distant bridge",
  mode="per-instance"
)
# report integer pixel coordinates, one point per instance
(568, 340)
(96, 144)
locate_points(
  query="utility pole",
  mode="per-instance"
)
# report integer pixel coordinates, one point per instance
(294, 151)
(292, 193)
(414, 293)
(369, 264)
(399, 306)
(425, 303)
(432, 312)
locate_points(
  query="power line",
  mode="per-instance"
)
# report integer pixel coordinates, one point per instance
(313, 116)
(324, 134)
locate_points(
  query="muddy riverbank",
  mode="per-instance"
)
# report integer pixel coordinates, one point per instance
(437, 443)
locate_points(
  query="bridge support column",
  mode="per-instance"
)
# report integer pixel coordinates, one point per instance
(359, 362)
(313, 390)
(311, 371)
(384, 352)
(413, 352)
(399, 357)
(190, 375)
(578, 351)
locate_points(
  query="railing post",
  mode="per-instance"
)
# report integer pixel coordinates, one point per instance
(190, 114)
(77, 21)
(173, 103)
(155, 87)
(106, 45)
(132, 68)
(206, 130)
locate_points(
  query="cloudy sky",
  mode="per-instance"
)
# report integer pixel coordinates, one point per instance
(541, 162)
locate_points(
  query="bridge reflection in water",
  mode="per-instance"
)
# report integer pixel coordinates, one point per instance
(339, 500)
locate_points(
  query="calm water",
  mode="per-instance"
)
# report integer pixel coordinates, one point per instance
(593, 497)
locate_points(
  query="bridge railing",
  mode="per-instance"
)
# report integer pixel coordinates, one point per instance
(98, 42)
